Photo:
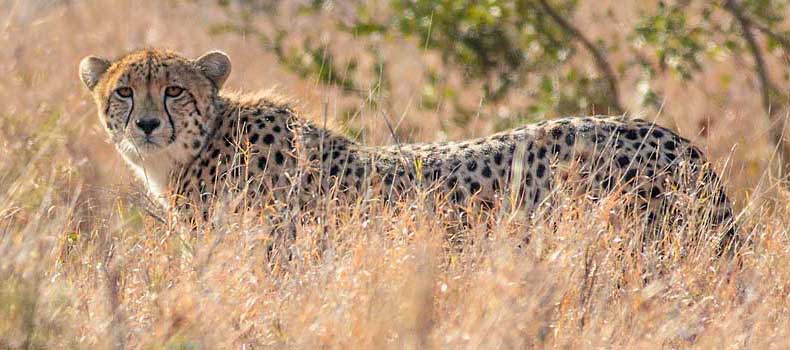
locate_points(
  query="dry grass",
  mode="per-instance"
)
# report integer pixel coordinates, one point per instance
(82, 267)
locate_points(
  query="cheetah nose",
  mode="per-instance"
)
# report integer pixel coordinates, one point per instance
(147, 125)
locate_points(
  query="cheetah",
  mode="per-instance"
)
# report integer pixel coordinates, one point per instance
(186, 139)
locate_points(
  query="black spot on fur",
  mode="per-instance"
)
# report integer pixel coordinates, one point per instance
(436, 174)
(528, 179)
(655, 192)
(630, 174)
(262, 162)
(451, 181)
(721, 197)
(542, 153)
(570, 138)
(486, 172)
(607, 183)
(654, 155)
(279, 158)
(498, 158)
(458, 196)
(427, 176)
(268, 139)
(694, 153)
(556, 149)
(599, 138)
(623, 161)
(556, 133)
(540, 171)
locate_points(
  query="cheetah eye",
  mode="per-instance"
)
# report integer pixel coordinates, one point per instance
(124, 92)
(174, 91)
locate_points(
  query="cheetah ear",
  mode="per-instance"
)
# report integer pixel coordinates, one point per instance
(91, 70)
(215, 65)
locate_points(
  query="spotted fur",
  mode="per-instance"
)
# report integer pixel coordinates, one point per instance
(209, 140)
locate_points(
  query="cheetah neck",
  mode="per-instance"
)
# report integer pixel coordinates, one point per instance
(155, 170)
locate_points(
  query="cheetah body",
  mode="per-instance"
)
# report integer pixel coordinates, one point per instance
(210, 140)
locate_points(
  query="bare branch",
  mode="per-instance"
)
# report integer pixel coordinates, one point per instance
(600, 58)
(754, 48)
(766, 86)
(782, 40)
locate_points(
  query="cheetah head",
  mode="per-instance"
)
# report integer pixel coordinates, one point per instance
(153, 102)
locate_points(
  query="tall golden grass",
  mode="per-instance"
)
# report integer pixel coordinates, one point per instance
(83, 266)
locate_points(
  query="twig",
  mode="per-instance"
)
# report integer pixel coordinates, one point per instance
(600, 59)
(754, 49)
(783, 40)
(766, 86)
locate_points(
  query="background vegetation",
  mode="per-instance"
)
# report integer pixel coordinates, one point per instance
(83, 266)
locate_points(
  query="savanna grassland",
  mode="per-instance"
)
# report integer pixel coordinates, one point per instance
(84, 264)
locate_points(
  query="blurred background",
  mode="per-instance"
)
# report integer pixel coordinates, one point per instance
(716, 71)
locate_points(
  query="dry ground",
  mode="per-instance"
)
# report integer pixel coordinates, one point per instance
(81, 266)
